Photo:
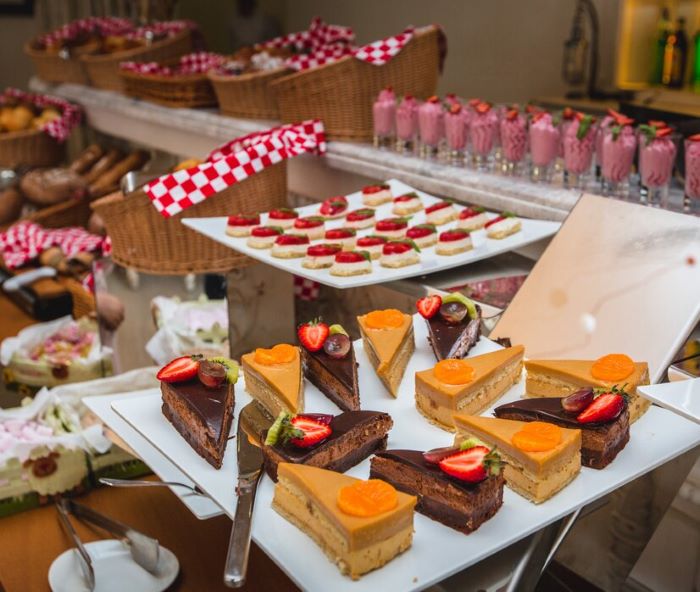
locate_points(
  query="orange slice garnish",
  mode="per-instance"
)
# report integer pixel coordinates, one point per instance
(454, 372)
(537, 436)
(384, 319)
(280, 354)
(367, 498)
(612, 367)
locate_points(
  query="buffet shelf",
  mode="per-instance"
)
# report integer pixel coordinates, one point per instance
(189, 132)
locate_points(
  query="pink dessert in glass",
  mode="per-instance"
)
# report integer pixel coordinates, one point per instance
(456, 132)
(544, 144)
(451, 99)
(482, 133)
(407, 123)
(431, 125)
(579, 145)
(513, 139)
(568, 116)
(657, 153)
(384, 114)
(619, 145)
(692, 171)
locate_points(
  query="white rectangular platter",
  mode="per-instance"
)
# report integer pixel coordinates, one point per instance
(101, 405)
(680, 396)
(437, 551)
(430, 262)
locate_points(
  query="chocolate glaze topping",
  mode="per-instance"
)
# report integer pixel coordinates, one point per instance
(205, 401)
(547, 408)
(453, 341)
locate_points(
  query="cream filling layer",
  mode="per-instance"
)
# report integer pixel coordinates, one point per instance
(360, 224)
(318, 262)
(261, 242)
(463, 244)
(441, 216)
(504, 228)
(473, 223)
(400, 259)
(288, 251)
(354, 268)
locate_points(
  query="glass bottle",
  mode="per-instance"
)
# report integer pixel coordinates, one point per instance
(663, 29)
(675, 56)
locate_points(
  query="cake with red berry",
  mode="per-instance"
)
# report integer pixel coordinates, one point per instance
(329, 363)
(241, 224)
(342, 236)
(424, 235)
(360, 219)
(454, 324)
(282, 217)
(440, 213)
(376, 195)
(399, 253)
(503, 226)
(333, 207)
(290, 246)
(349, 263)
(458, 486)
(472, 219)
(336, 443)
(198, 400)
(454, 242)
(263, 237)
(371, 244)
(391, 227)
(311, 226)
(320, 256)
(406, 204)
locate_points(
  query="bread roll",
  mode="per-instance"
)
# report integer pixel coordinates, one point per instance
(46, 187)
(133, 162)
(105, 163)
(86, 159)
(11, 202)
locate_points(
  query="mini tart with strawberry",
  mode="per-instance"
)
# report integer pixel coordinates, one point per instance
(290, 246)
(371, 244)
(602, 415)
(360, 219)
(399, 253)
(391, 227)
(198, 400)
(376, 195)
(406, 204)
(321, 256)
(453, 242)
(472, 218)
(342, 236)
(312, 226)
(458, 486)
(502, 226)
(440, 213)
(424, 235)
(263, 237)
(282, 217)
(241, 224)
(334, 442)
(333, 207)
(349, 263)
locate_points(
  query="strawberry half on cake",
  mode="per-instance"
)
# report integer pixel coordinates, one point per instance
(406, 204)
(263, 237)
(342, 236)
(424, 235)
(351, 263)
(371, 244)
(440, 213)
(312, 226)
(360, 219)
(333, 207)
(376, 195)
(290, 246)
(320, 256)
(282, 217)
(240, 225)
(391, 227)
(472, 219)
(503, 226)
(453, 242)
(400, 253)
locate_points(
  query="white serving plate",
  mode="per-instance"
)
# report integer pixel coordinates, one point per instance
(101, 405)
(437, 551)
(532, 230)
(681, 397)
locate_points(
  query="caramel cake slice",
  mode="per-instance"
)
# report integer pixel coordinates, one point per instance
(466, 386)
(330, 442)
(560, 378)
(387, 336)
(198, 400)
(274, 379)
(540, 458)
(360, 525)
(454, 324)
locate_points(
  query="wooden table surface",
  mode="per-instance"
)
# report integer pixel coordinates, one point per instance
(30, 541)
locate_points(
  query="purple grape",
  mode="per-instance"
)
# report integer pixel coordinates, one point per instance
(578, 401)
(211, 374)
(453, 312)
(337, 346)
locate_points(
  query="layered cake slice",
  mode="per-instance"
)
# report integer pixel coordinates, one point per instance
(387, 336)
(360, 525)
(461, 487)
(454, 324)
(560, 378)
(198, 400)
(274, 379)
(325, 441)
(466, 386)
(328, 360)
(603, 418)
(540, 458)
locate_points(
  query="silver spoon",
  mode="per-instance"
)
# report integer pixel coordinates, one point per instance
(142, 483)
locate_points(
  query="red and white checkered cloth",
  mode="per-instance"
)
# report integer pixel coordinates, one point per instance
(318, 35)
(164, 28)
(25, 241)
(305, 289)
(233, 163)
(102, 26)
(194, 63)
(59, 128)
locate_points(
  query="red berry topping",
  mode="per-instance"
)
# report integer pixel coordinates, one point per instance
(470, 213)
(420, 231)
(433, 99)
(283, 214)
(663, 132)
(657, 123)
(694, 138)
(179, 369)
(396, 248)
(292, 239)
(312, 335)
(568, 113)
(350, 257)
(323, 250)
(441, 205)
(498, 219)
(391, 224)
(483, 107)
(428, 306)
(313, 431)
(244, 220)
(371, 241)
(606, 407)
(469, 465)
(340, 233)
(266, 231)
(511, 114)
(455, 108)
(453, 235)
(374, 189)
(404, 198)
(474, 102)
(310, 222)
(358, 215)
(334, 206)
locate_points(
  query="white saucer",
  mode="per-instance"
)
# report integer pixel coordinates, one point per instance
(681, 397)
(115, 570)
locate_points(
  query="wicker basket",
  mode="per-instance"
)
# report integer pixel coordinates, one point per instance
(83, 299)
(72, 212)
(341, 93)
(247, 95)
(53, 68)
(103, 69)
(146, 241)
(187, 91)
(33, 148)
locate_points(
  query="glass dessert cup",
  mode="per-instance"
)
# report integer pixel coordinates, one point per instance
(578, 154)
(455, 135)
(407, 126)
(431, 127)
(656, 159)
(513, 127)
(618, 149)
(692, 173)
(545, 137)
(384, 118)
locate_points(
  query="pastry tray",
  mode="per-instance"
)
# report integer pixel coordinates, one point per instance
(437, 551)
(430, 262)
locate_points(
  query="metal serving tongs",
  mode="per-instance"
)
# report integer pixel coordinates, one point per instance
(144, 550)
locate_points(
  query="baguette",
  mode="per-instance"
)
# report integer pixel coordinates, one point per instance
(106, 162)
(86, 160)
(134, 161)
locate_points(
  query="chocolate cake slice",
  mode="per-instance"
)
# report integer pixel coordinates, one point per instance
(202, 414)
(455, 503)
(600, 441)
(354, 436)
(453, 341)
(334, 377)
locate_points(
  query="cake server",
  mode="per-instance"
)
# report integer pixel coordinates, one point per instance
(144, 483)
(250, 461)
